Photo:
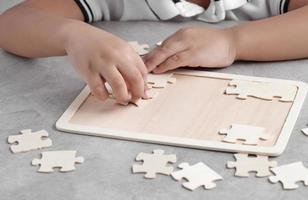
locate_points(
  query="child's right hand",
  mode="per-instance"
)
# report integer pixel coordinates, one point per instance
(100, 57)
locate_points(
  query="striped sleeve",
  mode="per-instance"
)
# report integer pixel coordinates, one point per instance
(86, 10)
(98, 10)
(278, 7)
(284, 6)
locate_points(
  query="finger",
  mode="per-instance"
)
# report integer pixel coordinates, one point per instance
(160, 54)
(180, 59)
(117, 83)
(142, 68)
(97, 86)
(133, 78)
(144, 72)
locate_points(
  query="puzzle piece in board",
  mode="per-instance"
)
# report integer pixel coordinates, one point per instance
(65, 160)
(262, 90)
(197, 175)
(249, 134)
(141, 102)
(156, 163)
(141, 49)
(160, 80)
(29, 140)
(138, 102)
(290, 174)
(305, 131)
(246, 163)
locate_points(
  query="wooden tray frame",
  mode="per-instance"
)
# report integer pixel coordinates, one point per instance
(63, 123)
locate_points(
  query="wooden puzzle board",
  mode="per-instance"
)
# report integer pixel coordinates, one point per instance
(189, 113)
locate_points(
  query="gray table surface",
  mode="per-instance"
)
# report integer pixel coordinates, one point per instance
(34, 93)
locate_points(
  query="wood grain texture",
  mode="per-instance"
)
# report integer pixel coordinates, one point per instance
(194, 107)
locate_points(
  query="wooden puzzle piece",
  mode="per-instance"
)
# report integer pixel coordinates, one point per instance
(156, 163)
(138, 102)
(141, 102)
(197, 175)
(246, 163)
(249, 134)
(141, 49)
(289, 175)
(262, 90)
(160, 80)
(29, 140)
(65, 160)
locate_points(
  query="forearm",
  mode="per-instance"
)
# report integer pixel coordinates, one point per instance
(29, 32)
(282, 37)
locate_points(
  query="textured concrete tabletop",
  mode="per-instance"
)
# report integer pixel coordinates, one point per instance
(34, 93)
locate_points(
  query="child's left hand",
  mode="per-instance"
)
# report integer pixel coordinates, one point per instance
(193, 47)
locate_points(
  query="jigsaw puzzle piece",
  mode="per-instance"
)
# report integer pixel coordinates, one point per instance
(155, 163)
(246, 163)
(261, 90)
(65, 160)
(249, 134)
(29, 140)
(289, 175)
(160, 80)
(141, 102)
(197, 175)
(141, 49)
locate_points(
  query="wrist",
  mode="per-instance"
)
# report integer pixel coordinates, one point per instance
(231, 36)
(67, 32)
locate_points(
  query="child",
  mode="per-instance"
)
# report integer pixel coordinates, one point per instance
(39, 28)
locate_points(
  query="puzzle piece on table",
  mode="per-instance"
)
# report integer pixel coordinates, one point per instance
(245, 164)
(155, 163)
(197, 175)
(29, 140)
(249, 134)
(262, 90)
(160, 80)
(65, 160)
(141, 49)
(305, 131)
(290, 174)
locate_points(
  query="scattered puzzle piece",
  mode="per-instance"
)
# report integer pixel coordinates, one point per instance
(245, 164)
(266, 91)
(160, 80)
(65, 160)
(197, 175)
(141, 49)
(249, 134)
(290, 174)
(29, 140)
(156, 163)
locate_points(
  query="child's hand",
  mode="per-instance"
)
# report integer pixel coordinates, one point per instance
(101, 57)
(193, 47)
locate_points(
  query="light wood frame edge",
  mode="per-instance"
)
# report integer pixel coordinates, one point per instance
(63, 123)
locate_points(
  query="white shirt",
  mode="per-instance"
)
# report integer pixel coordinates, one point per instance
(218, 10)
